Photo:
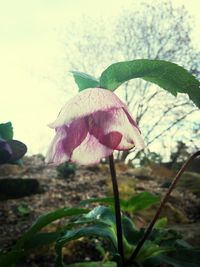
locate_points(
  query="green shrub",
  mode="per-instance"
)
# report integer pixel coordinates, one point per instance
(66, 170)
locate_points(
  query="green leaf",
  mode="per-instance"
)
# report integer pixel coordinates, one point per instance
(165, 237)
(11, 257)
(23, 209)
(106, 217)
(141, 201)
(167, 75)
(175, 262)
(84, 80)
(183, 256)
(192, 256)
(138, 202)
(42, 239)
(130, 232)
(93, 264)
(161, 223)
(105, 200)
(100, 230)
(31, 238)
(46, 219)
(151, 249)
(6, 131)
(131, 236)
(101, 224)
(102, 214)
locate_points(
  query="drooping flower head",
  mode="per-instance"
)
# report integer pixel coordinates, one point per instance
(5, 151)
(90, 127)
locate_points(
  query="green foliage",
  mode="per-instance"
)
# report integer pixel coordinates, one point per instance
(98, 230)
(182, 257)
(6, 131)
(151, 249)
(138, 202)
(66, 169)
(23, 209)
(32, 238)
(161, 223)
(167, 75)
(141, 201)
(84, 80)
(11, 258)
(46, 219)
(93, 264)
(100, 222)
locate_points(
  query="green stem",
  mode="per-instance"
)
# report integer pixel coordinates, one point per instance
(172, 186)
(117, 209)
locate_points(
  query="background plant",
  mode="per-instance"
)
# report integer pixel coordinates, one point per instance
(11, 151)
(66, 170)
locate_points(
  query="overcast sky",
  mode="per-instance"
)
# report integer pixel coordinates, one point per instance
(31, 57)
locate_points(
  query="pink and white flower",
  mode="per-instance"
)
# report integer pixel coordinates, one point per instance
(90, 127)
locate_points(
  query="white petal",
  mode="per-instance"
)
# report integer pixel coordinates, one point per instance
(87, 102)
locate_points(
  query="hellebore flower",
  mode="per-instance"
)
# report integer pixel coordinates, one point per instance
(11, 150)
(5, 151)
(90, 127)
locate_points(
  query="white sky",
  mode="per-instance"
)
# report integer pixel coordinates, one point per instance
(31, 57)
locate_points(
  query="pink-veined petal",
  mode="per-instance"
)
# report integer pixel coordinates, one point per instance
(96, 126)
(66, 140)
(76, 133)
(126, 110)
(56, 154)
(111, 140)
(85, 103)
(116, 120)
(90, 151)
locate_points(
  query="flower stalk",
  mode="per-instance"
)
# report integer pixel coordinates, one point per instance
(117, 209)
(164, 200)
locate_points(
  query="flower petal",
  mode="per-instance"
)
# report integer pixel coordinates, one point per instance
(90, 151)
(111, 140)
(97, 123)
(5, 151)
(66, 140)
(85, 103)
(76, 133)
(116, 120)
(56, 153)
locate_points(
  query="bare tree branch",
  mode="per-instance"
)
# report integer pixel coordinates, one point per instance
(171, 126)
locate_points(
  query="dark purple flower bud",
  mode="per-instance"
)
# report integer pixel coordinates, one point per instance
(5, 151)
